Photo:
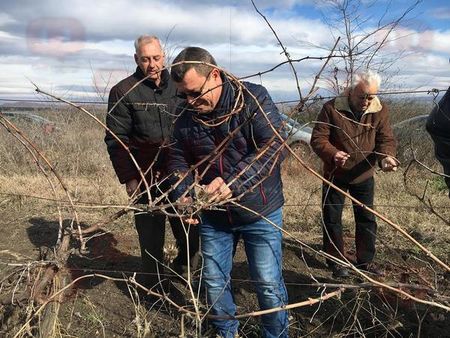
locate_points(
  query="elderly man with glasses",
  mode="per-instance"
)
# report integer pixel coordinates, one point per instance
(351, 135)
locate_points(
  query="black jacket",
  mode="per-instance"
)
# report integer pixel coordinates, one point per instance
(438, 125)
(193, 141)
(142, 121)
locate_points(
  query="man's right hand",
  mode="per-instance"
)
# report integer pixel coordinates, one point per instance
(340, 158)
(389, 163)
(131, 186)
(217, 190)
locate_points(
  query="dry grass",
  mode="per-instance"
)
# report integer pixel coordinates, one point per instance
(303, 198)
(79, 154)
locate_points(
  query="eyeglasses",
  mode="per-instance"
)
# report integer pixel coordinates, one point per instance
(194, 94)
(367, 97)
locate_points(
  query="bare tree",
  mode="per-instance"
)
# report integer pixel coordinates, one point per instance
(364, 38)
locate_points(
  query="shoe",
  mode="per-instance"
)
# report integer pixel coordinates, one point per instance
(371, 268)
(339, 271)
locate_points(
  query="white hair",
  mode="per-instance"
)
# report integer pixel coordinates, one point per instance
(144, 39)
(368, 77)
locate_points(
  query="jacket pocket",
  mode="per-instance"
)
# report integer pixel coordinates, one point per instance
(148, 125)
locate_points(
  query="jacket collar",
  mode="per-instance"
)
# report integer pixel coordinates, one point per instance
(341, 103)
(224, 104)
(165, 76)
(226, 97)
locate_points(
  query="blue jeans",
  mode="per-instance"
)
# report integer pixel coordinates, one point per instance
(263, 248)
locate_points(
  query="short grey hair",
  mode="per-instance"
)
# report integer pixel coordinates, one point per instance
(368, 77)
(144, 39)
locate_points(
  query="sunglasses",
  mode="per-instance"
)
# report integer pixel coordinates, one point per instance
(194, 94)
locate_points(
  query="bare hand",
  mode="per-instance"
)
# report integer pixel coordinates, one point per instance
(131, 186)
(217, 190)
(340, 158)
(389, 164)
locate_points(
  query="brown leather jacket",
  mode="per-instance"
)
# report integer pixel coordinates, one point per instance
(366, 141)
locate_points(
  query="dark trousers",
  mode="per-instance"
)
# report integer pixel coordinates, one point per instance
(366, 226)
(151, 228)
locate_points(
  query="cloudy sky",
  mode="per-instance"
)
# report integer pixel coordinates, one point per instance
(77, 49)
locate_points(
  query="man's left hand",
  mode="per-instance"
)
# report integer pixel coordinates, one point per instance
(217, 190)
(389, 164)
(188, 219)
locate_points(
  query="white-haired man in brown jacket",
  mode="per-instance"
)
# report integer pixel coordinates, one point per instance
(353, 134)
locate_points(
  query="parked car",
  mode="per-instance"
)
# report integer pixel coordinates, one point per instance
(47, 125)
(418, 120)
(297, 133)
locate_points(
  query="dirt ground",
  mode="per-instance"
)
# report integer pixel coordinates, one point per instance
(108, 308)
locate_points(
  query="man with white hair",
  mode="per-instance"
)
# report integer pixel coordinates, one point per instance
(140, 117)
(353, 134)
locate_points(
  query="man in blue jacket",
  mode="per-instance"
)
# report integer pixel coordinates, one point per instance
(438, 125)
(224, 141)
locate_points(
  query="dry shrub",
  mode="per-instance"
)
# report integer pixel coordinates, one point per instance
(75, 147)
(79, 154)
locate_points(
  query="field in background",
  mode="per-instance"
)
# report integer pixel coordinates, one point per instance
(29, 226)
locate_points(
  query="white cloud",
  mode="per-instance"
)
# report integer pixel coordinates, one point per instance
(442, 13)
(4, 36)
(6, 19)
(424, 41)
(87, 40)
(193, 22)
(425, 71)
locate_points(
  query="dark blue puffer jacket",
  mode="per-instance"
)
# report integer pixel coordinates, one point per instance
(438, 125)
(193, 141)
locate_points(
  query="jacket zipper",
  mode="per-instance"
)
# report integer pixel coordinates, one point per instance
(263, 194)
(159, 114)
(358, 126)
(220, 165)
(230, 219)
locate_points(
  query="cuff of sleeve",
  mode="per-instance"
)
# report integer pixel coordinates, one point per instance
(124, 178)
(330, 156)
(236, 189)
